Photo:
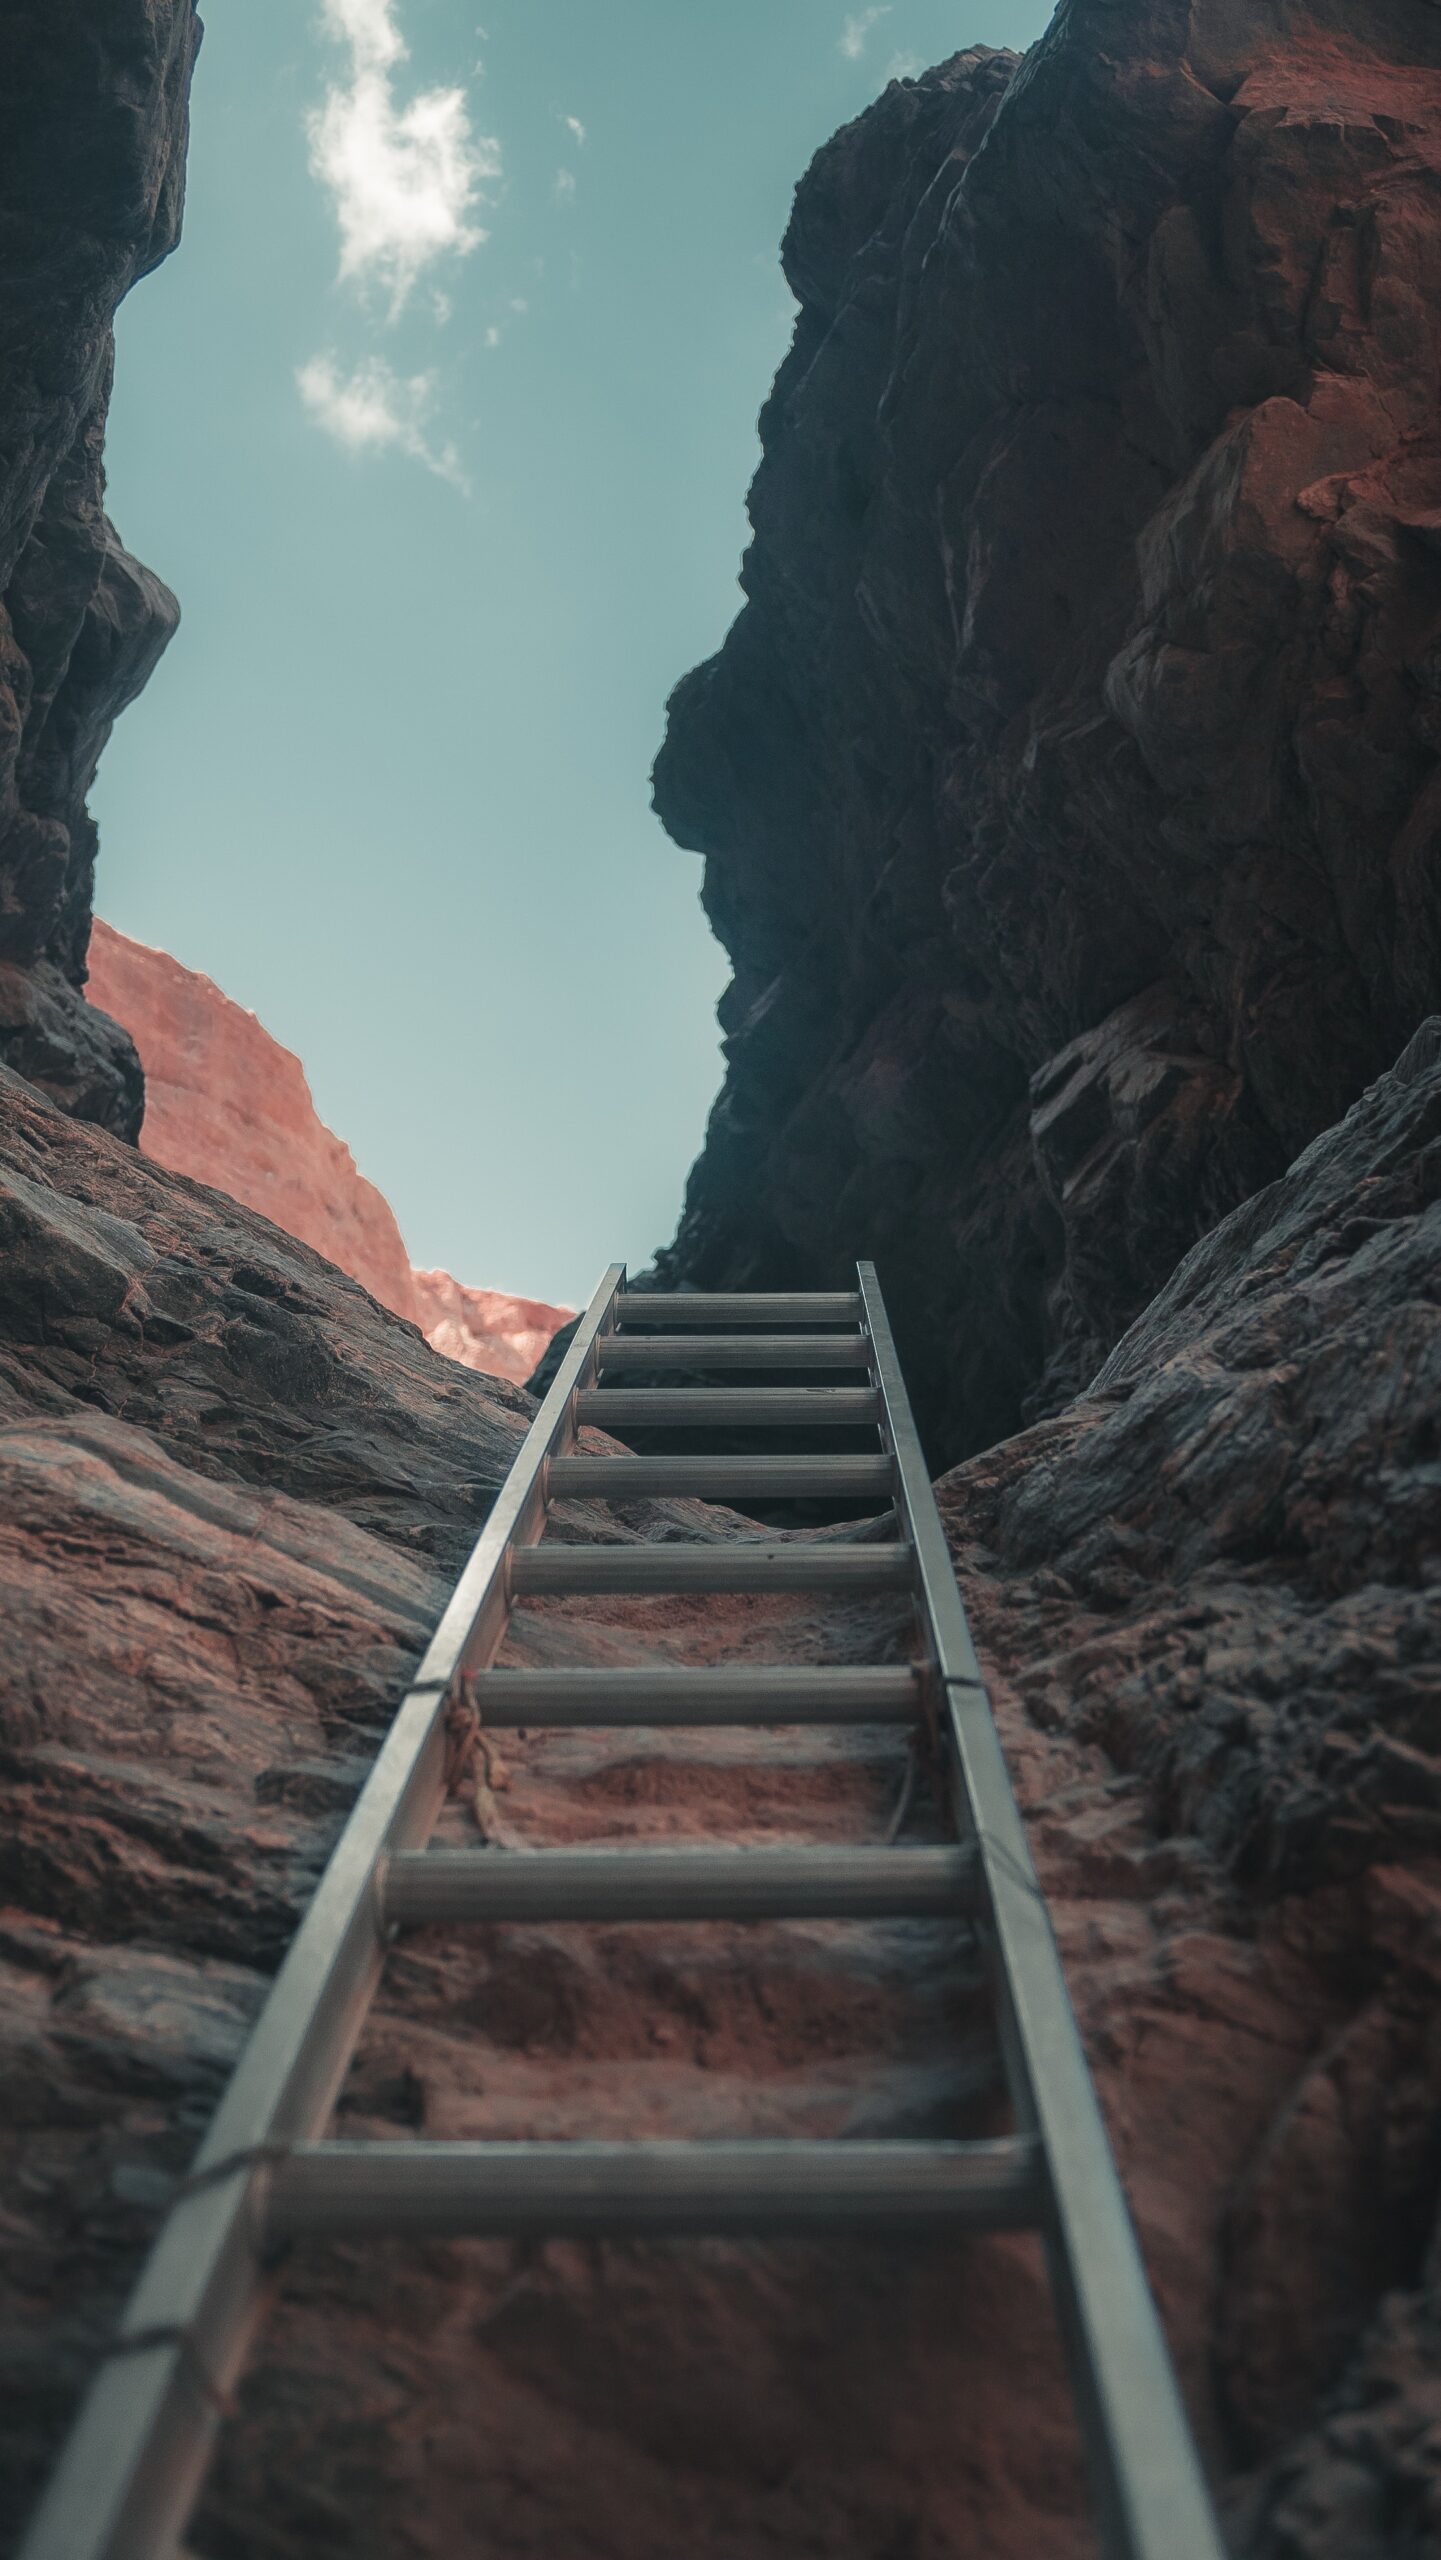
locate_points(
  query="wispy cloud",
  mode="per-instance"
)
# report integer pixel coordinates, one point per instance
(376, 410)
(405, 177)
(564, 187)
(576, 130)
(855, 32)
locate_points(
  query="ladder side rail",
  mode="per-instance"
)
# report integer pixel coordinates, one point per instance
(137, 2453)
(1152, 2497)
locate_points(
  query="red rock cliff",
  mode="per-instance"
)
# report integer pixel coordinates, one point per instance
(228, 1105)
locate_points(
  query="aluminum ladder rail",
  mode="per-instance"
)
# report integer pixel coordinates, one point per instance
(135, 2460)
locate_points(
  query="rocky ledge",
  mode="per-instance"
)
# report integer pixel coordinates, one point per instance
(1068, 784)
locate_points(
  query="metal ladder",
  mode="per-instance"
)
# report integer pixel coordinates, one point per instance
(265, 2175)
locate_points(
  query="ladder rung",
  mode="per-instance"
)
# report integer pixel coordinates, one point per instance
(738, 1566)
(428, 1885)
(722, 1479)
(731, 1408)
(734, 1351)
(639, 1307)
(676, 1885)
(334, 2190)
(887, 1694)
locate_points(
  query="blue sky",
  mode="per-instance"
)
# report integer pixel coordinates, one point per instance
(440, 424)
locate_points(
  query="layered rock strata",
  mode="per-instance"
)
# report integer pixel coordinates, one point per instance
(228, 1104)
(93, 126)
(232, 1490)
(1069, 784)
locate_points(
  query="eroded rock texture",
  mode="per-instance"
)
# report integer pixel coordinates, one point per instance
(1069, 782)
(232, 1490)
(93, 112)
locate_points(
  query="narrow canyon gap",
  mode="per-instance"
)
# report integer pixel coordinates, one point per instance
(1068, 794)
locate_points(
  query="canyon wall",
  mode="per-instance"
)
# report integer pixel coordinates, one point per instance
(1068, 785)
(233, 1490)
(93, 127)
(229, 1105)
(1066, 788)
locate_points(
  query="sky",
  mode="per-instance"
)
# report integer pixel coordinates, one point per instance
(440, 424)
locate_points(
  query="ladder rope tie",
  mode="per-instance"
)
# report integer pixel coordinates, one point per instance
(897, 1821)
(173, 2333)
(471, 1756)
(255, 2155)
(1006, 1858)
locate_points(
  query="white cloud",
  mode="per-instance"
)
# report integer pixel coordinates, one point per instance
(405, 179)
(376, 410)
(574, 127)
(903, 66)
(564, 188)
(492, 335)
(853, 34)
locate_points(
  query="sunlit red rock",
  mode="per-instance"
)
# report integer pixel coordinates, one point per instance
(484, 1327)
(229, 1105)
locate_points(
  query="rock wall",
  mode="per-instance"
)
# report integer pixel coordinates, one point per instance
(1069, 783)
(232, 1491)
(228, 1105)
(93, 129)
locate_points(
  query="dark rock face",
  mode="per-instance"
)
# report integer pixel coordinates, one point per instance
(93, 121)
(1069, 782)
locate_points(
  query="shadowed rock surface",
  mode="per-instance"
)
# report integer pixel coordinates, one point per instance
(93, 127)
(1068, 784)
